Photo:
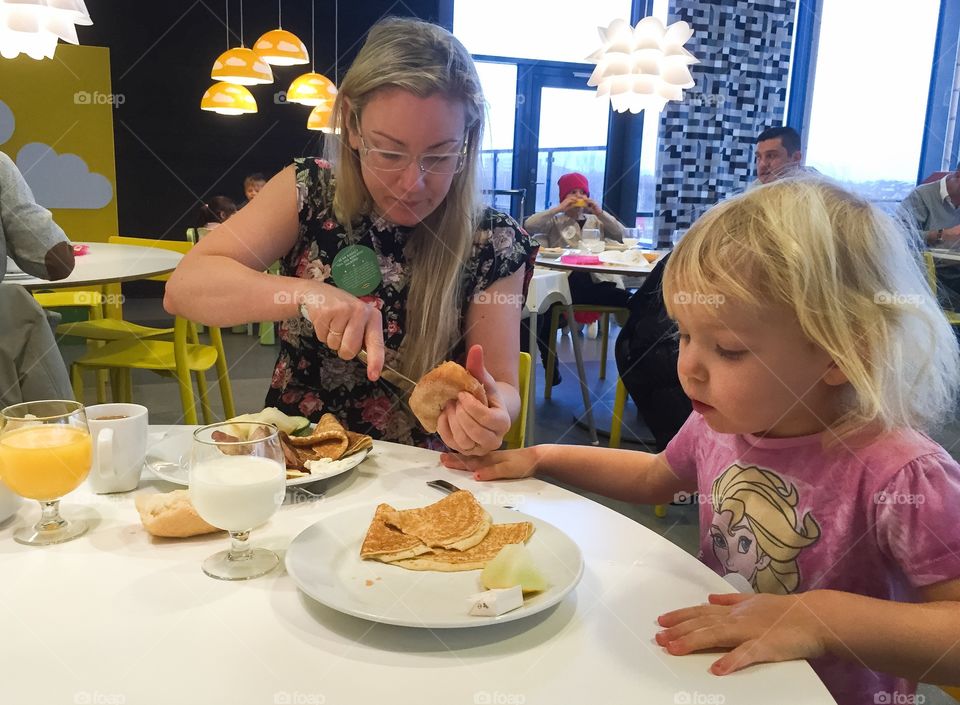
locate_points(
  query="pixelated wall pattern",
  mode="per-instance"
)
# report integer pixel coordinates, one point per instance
(706, 141)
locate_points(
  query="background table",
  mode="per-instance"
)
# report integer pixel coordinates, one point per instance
(106, 263)
(118, 617)
(622, 269)
(945, 254)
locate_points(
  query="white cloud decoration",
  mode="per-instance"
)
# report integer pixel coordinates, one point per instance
(642, 67)
(7, 122)
(62, 180)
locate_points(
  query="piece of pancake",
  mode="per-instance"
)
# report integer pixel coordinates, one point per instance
(439, 386)
(473, 558)
(385, 543)
(357, 442)
(457, 522)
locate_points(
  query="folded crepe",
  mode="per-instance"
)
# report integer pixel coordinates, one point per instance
(385, 543)
(473, 558)
(456, 522)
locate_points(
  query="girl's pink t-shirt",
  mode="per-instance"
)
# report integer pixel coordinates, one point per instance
(786, 515)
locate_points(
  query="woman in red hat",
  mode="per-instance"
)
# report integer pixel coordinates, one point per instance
(563, 226)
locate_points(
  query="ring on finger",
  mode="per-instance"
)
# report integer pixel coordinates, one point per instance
(338, 333)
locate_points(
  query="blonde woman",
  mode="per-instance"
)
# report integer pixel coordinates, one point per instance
(388, 249)
(813, 352)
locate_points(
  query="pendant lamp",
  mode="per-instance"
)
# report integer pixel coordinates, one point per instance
(228, 99)
(321, 118)
(32, 27)
(642, 67)
(279, 47)
(241, 65)
(312, 88)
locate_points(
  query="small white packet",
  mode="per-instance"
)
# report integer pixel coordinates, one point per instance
(493, 603)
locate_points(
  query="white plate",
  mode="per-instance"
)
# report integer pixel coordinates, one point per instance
(13, 276)
(169, 460)
(324, 561)
(551, 252)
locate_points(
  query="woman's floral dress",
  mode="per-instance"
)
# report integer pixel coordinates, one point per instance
(310, 379)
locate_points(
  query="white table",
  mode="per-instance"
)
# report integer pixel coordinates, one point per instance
(115, 617)
(948, 255)
(602, 268)
(108, 263)
(548, 287)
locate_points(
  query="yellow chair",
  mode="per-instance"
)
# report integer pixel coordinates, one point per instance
(604, 312)
(952, 316)
(616, 429)
(164, 350)
(175, 359)
(953, 692)
(517, 435)
(92, 301)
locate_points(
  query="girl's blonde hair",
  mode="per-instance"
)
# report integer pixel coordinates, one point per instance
(425, 60)
(852, 278)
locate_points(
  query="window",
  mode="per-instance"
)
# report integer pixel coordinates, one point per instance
(499, 84)
(559, 30)
(870, 94)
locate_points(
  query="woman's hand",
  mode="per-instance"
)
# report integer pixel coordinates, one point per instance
(346, 324)
(758, 629)
(499, 465)
(466, 425)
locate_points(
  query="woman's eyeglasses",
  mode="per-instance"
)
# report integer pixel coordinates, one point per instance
(429, 163)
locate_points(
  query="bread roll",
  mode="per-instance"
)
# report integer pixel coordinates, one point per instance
(171, 515)
(439, 386)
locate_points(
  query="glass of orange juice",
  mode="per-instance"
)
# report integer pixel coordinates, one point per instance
(45, 453)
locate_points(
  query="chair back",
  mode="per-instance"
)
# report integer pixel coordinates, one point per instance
(931, 271)
(517, 435)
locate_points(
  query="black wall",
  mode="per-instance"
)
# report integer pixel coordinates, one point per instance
(170, 154)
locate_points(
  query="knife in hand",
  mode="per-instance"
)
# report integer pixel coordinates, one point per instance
(397, 379)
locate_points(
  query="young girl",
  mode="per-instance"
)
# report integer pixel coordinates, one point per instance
(814, 355)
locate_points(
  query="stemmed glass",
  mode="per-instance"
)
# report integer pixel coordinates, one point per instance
(45, 453)
(237, 482)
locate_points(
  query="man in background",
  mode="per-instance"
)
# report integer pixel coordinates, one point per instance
(778, 154)
(934, 210)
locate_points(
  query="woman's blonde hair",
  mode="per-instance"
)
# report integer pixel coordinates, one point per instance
(852, 278)
(425, 60)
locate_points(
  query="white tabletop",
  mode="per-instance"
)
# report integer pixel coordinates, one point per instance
(945, 254)
(118, 617)
(107, 263)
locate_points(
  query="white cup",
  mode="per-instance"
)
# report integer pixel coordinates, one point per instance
(119, 434)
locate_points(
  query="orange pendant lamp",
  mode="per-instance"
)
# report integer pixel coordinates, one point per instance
(278, 47)
(312, 88)
(240, 65)
(224, 97)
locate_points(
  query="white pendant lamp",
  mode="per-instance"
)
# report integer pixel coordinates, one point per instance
(642, 67)
(33, 27)
(312, 88)
(279, 47)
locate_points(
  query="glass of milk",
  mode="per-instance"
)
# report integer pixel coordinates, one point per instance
(237, 482)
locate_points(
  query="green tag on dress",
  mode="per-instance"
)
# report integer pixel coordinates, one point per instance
(356, 270)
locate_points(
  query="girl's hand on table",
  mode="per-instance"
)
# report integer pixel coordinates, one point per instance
(499, 465)
(758, 628)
